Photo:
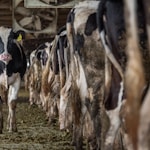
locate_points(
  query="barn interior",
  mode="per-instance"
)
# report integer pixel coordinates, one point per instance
(18, 14)
(40, 19)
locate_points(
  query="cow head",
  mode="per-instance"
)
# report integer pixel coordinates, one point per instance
(8, 39)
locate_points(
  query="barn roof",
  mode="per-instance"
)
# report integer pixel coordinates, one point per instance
(39, 20)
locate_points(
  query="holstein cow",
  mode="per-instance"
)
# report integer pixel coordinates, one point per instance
(110, 19)
(33, 80)
(137, 70)
(83, 89)
(111, 27)
(143, 137)
(38, 59)
(12, 69)
(54, 74)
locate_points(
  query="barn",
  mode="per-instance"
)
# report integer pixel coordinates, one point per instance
(74, 74)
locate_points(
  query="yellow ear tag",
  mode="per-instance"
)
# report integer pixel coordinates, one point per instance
(19, 38)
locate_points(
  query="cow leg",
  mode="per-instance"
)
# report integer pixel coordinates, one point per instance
(1, 116)
(115, 121)
(52, 111)
(144, 124)
(31, 97)
(77, 137)
(12, 97)
(113, 129)
(11, 116)
(79, 140)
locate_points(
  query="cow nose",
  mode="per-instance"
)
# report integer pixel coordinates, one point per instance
(5, 57)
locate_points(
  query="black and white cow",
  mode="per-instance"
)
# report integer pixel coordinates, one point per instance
(33, 77)
(54, 74)
(137, 69)
(12, 69)
(82, 90)
(112, 28)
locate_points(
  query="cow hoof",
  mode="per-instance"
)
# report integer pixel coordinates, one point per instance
(12, 130)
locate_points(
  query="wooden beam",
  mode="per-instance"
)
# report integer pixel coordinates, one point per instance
(2, 6)
(6, 13)
(5, 18)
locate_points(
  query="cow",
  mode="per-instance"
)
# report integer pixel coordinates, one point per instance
(82, 90)
(13, 66)
(111, 26)
(37, 61)
(137, 69)
(143, 134)
(33, 80)
(54, 74)
(112, 29)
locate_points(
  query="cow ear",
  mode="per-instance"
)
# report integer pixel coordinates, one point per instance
(19, 35)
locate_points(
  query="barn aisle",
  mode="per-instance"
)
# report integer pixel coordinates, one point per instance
(34, 133)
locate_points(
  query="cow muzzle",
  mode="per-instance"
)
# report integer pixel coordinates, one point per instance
(5, 57)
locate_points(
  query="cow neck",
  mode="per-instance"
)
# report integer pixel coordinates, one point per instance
(19, 46)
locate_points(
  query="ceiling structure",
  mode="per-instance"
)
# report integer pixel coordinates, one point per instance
(40, 19)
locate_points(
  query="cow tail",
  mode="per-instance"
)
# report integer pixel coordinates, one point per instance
(60, 61)
(60, 67)
(61, 49)
(62, 36)
(66, 58)
(70, 32)
(135, 77)
(99, 16)
(101, 28)
(54, 54)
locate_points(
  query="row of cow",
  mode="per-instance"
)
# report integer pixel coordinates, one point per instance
(74, 82)
(92, 75)
(73, 76)
(88, 75)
